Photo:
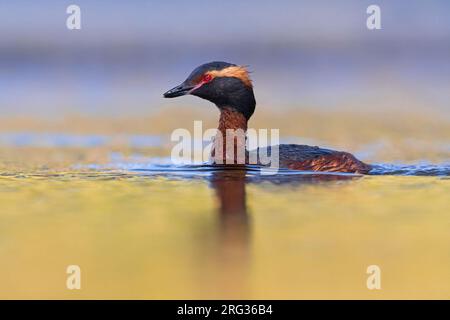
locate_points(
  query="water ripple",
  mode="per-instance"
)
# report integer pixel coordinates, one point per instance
(423, 169)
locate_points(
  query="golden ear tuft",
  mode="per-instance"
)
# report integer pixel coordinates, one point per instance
(239, 72)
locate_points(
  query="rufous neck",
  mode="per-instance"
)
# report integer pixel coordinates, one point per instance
(231, 119)
(230, 140)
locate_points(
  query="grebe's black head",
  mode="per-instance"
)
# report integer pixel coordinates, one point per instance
(224, 84)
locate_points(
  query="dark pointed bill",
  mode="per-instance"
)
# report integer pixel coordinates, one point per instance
(178, 91)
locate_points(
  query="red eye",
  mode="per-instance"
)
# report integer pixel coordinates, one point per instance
(207, 78)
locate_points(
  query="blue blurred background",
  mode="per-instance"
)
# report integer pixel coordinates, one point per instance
(316, 53)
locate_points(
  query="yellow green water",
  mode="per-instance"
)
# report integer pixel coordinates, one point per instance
(137, 236)
(206, 235)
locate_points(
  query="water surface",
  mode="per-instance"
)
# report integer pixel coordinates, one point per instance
(160, 231)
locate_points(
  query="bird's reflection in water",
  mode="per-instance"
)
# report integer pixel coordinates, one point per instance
(234, 226)
(233, 251)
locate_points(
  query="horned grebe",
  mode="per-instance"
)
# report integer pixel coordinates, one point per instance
(229, 87)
